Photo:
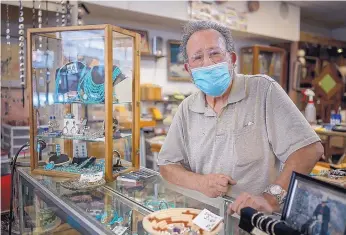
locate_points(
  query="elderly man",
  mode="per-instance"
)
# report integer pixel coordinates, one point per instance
(236, 130)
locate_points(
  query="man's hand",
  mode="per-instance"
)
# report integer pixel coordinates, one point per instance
(215, 185)
(260, 203)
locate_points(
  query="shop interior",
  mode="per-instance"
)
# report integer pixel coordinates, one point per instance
(89, 90)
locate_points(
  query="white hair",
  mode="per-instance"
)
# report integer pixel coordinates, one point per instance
(198, 25)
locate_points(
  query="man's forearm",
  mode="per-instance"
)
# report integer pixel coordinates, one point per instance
(177, 174)
(301, 161)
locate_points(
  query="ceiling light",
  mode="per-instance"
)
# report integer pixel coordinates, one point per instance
(340, 50)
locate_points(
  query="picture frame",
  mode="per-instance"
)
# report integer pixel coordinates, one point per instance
(145, 48)
(175, 64)
(10, 63)
(315, 207)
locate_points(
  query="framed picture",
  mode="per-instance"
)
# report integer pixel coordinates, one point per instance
(145, 49)
(315, 207)
(175, 63)
(10, 63)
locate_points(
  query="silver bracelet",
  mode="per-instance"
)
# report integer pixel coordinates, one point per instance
(259, 221)
(267, 226)
(273, 226)
(253, 218)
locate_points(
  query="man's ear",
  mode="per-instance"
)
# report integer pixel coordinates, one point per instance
(233, 57)
(187, 68)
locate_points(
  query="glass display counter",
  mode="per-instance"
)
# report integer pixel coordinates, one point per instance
(47, 207)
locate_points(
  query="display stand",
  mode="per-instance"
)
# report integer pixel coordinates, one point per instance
(82, 69)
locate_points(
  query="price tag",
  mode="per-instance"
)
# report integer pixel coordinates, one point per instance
(119, 230)
(91, 177)
(207, 220)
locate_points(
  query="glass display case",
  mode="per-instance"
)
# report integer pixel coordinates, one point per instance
(264, 60)
(84, 84)
(107, 208)
(48, 208)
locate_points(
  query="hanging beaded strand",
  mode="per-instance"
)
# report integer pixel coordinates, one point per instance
(21, 48)
(46, 64)
(39, 51)
(63, 13)
(68, 13)
(57, 14)
(8, 62)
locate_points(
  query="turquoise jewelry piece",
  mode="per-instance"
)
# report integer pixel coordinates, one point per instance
(58, 150)
(95, 92)
(49, 166)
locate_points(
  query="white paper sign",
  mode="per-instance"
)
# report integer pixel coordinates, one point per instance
(207, 220)
(119, 230)
(91, 177)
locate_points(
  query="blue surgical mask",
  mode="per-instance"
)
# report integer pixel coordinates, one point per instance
(213, 80)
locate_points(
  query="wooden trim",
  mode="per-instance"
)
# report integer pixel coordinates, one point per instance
(33, 156)
(311, 38)
(108, 104)
(255, 63)
(55, 173)
(123, 172)
(269, 48)
(124, 31)
(67, 28)
(136, 101)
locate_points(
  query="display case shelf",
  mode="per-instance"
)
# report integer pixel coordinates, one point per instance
(83, 138)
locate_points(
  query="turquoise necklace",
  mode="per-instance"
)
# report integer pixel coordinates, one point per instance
(94, 93)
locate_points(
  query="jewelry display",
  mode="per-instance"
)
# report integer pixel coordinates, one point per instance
(21, 49)
(68, 13)
(76, 184)
(8, 31)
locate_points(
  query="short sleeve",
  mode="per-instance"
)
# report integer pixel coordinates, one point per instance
(287, 128)
(173, 149)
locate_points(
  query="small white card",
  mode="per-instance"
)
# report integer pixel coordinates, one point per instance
(119, 230)
(91, 177)
(207, 220)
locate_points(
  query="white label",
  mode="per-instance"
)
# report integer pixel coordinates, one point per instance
(207, 220)
(119, 230)
(91, 177)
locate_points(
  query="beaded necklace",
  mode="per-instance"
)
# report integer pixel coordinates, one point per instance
(95, 93)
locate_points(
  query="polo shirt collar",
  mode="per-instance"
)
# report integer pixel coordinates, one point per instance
(238, 92)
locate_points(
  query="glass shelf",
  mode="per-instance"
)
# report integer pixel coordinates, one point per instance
(84, 138)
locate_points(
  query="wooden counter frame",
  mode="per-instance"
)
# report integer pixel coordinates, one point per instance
(108, 58)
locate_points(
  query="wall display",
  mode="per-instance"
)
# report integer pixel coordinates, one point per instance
(315, 207)
(175, 63)
(223, 13)
(145, 49)
(157, 46)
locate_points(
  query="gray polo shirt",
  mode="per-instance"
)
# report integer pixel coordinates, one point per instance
(258, 128)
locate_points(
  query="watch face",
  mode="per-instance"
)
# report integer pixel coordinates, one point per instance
(275, 189)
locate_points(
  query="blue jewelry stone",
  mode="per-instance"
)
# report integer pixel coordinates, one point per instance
(49, 166)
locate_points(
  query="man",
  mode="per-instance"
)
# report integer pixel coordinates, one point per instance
(236, 130)
(323, 210)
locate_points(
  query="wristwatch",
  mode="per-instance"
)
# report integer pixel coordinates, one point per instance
(277, 191)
